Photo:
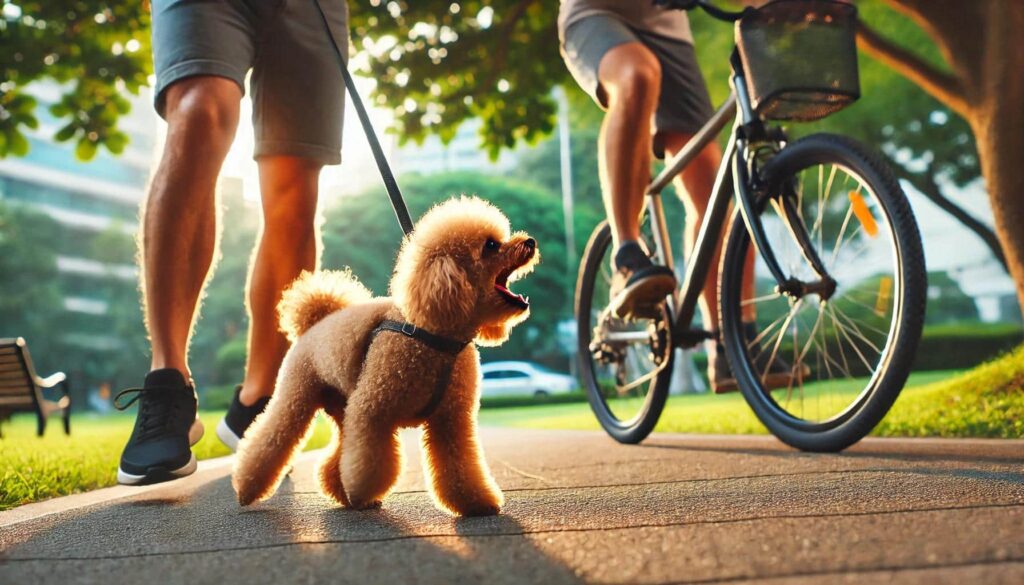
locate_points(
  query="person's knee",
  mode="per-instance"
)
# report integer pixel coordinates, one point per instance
(290, 197)
(204, 110)
(293, 222)
(635, 82)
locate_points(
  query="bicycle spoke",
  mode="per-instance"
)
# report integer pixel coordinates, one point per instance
(761, 299)
(853, 328)
(853, 344)
(778, 341)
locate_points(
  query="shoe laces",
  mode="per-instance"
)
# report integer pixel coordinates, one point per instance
(157, 412)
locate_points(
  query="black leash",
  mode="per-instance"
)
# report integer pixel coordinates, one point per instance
(401, 211)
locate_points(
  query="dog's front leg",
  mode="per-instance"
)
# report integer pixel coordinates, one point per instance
(460, 480)
(372, 458)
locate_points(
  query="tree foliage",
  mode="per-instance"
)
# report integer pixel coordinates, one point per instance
(95, 49)
(30, 300)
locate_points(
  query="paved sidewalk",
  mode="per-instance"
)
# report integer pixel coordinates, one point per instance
(580, 508)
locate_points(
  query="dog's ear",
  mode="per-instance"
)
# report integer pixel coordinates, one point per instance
(437, 293)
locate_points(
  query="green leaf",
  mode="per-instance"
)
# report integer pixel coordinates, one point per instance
(85, 150)
(18, 144)
(66, 133)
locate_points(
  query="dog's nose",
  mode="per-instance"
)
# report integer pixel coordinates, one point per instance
(530, 243)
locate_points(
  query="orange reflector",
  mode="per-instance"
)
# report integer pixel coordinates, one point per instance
(884, 294)
(860, 209)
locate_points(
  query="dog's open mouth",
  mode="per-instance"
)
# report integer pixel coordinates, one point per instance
(514, 299)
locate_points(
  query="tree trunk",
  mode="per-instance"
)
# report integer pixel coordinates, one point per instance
(981, 42)
(997, 119)
(999, 130)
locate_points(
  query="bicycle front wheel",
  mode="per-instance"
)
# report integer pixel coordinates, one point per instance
(843, 345)
(625, 366)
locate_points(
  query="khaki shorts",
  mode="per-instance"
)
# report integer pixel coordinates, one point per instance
(683, 106)
(297, 89)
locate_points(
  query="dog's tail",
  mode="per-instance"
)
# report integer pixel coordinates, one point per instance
(314, 295)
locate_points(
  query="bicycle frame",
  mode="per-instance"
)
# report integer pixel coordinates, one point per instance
(733, 167)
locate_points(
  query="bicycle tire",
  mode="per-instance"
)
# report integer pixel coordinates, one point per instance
(885, 384)
(636, 428)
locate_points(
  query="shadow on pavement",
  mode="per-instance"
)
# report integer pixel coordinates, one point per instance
(202, 535)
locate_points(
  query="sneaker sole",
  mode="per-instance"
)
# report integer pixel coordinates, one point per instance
(642, 298)
(158, 474)
(227, 436)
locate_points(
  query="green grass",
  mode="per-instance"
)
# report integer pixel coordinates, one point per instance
(987, 401)
(33, 469)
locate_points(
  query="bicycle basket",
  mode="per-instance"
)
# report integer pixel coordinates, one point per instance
(800, 58)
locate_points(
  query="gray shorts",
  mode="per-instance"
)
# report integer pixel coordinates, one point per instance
(297, 89)
(683, 106)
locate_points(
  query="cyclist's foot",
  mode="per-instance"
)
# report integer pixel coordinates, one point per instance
(776, 374)
(238, 418)
(638, 286)
(165, 429)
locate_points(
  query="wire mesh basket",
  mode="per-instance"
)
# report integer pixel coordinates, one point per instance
(800, 58)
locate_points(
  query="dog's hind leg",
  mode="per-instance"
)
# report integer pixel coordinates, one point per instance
(330, 465)
(278, 434)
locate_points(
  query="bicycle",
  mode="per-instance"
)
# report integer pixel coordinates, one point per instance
(839, 284)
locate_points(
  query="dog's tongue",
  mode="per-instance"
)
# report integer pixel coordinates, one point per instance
(504, 290)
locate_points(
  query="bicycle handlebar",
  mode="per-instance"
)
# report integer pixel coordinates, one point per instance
(711, 9)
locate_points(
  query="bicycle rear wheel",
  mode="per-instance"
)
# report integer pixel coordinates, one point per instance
(625, 366)
(845, 349)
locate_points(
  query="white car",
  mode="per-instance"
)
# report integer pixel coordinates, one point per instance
(523, 379)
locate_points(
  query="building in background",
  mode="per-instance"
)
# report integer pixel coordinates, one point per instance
(463, 153)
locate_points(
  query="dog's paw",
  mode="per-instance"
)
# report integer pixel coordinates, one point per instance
(484, 504)
(371, 505)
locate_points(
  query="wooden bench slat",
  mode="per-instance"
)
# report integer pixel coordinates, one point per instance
(9, 401)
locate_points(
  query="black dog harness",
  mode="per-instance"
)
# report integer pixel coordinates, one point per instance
(443, 344)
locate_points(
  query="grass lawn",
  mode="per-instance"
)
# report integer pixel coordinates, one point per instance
(33, 469)
(987, 401)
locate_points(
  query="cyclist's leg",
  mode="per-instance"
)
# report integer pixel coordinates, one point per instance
(630, 78)
(624, 77)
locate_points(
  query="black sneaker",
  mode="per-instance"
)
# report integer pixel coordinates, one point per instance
(776, 374)
(638, 286)
(237, 419)
(166, 427)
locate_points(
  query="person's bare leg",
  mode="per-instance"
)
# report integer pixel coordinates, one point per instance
(179, 216)
(630, 77)
(287, 246)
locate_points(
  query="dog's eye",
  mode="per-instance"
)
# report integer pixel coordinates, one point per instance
(491, 245)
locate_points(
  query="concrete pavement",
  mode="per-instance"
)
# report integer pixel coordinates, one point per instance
(580, 508)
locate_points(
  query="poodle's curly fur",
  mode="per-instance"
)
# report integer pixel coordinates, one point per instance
(450, 279)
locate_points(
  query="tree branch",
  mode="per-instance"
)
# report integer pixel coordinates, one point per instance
(943, 86)
(926, 184)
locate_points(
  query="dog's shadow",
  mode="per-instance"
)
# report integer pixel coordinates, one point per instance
(425, 546)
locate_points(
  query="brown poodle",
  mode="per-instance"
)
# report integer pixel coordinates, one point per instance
(451, 285)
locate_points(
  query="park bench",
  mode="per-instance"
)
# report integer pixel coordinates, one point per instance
(21, 389)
